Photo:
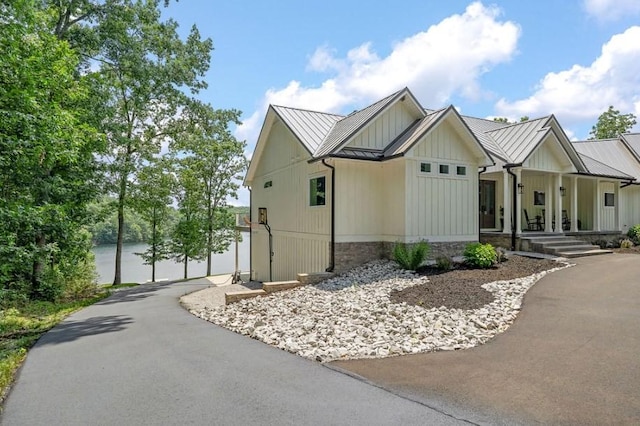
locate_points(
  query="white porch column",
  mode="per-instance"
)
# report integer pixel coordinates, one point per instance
(506, 202)
(616, 203)
(574, 203)
(558, 203)
(548, 205)
(518, 173)
(596, 207)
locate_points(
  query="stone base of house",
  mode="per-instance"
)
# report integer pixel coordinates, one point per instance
(350, 255)
(499, 240)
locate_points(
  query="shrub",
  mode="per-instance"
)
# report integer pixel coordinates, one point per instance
(501, 254)
(626, 244)
(634, 234)
(410, 258)
(480, 255)
(444, 263)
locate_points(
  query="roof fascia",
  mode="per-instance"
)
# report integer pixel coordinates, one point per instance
(267, 124)
(628, 146)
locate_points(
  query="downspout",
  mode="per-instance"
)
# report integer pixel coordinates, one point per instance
(514, 204)
(250, 235)
(484, 169)
(625, 184)
(332, 245)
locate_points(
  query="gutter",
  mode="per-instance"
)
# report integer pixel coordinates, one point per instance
(484, 169)
(514, 202)
(332, 246)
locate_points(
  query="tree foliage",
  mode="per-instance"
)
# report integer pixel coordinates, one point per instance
(611, 124)
(48, 174)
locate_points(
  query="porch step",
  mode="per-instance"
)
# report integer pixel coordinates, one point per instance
(581, 253)
(272, 287)
(561, 245)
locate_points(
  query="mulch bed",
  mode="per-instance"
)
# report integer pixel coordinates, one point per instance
(459, 288)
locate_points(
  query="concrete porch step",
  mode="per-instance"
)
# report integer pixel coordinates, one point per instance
(581, 253)
(558, 243)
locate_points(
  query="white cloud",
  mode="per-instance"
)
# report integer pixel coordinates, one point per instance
(582, 93)
(445, 60)
(610, 10)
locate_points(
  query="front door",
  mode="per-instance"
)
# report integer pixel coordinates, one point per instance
(487, 204)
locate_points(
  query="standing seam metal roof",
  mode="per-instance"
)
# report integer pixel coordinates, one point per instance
(610, 151)
(598, 168)
(309, 126)
(520, 139)
(633, 141)
(479, 127)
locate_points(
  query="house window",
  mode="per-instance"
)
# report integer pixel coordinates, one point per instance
(461, 170)
(317, 191)
(425, 167)
(268, 184)
(444, 169)
(538, 198)
(609, 200)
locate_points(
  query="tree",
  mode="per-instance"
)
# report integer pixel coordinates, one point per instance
(48, 173)
(215, 159)
(139, 90)
(152, 200)
(506, 120)
(611, 124)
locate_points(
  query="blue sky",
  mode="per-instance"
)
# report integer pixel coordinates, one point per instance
(571, 58)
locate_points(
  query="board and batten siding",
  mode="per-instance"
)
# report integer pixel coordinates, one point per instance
(548, 157)
(300, 231)
(441, 207)
(630, 207)
(385, 128)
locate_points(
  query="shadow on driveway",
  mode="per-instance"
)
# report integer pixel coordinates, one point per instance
(69, 331)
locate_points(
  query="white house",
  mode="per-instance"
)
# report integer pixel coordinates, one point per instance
(329, 192)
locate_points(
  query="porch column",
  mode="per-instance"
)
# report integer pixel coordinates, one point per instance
(574, 203)
(596, 207)
(506, 202)
(558, 203)
(518, 173)
(548, 205)
(616, 204)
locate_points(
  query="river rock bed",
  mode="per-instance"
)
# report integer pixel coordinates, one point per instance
(352, 316)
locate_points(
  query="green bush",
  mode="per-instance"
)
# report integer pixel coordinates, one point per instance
(634, 234)
(444, 263)
(410, 258)
(626, 244)
(480, 255)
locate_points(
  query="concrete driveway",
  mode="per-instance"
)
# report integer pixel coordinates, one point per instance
(138, 358)
(572, 356)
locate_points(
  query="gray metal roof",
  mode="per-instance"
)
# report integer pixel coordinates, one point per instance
(598, 168)
(480, 127)
(407, 139)
(519, 140)
(310, 127)
(633, 141)
(611, 152)
(349, 125)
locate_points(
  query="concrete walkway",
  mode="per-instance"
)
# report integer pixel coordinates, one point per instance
(138, 358)
(571, 357)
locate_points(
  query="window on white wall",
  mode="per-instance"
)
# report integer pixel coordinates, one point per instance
(317, 192)
(461, 170)
(444, 169)
(609, 199)
(425, 167)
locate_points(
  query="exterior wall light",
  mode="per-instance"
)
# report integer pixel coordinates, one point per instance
(563, 191)
(520, 188)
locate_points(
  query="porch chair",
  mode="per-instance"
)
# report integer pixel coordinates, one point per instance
(566, 223)
(532, 225)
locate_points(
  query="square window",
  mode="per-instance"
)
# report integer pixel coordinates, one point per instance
(609, 200)
(425, 167)
(461, 170)
(538, 198)
(444, 169)
(317, 191)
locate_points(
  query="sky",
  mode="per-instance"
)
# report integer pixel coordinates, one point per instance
(507, 58)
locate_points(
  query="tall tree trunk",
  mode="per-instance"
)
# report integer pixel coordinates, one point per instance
(117, 279)
(153, 247)
(186, 262)
(209, 237)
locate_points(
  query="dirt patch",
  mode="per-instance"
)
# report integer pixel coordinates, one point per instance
(460, 288)
(631, 250)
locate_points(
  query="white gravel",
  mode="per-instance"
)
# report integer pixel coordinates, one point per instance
(351, 316)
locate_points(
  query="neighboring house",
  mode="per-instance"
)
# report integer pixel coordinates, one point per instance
(329, 192)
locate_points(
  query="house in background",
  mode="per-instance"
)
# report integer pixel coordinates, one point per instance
(329, 192)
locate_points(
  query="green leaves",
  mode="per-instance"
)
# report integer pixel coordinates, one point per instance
(611, 124)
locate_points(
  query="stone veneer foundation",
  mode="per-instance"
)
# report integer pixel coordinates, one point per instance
(350, 255)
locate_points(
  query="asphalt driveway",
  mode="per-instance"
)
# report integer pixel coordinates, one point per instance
(138, 358)
(571, 357)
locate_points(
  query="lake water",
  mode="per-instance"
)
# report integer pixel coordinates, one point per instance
(134, 271)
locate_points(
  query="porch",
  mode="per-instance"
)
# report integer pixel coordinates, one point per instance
(569, 244)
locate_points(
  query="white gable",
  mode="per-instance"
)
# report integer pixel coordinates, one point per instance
(384, 128)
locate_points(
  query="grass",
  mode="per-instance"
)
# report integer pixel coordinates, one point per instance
(21, 327)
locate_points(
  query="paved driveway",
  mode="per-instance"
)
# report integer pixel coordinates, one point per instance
(138, 358)
(572, 356)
